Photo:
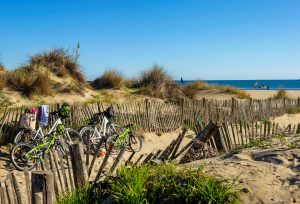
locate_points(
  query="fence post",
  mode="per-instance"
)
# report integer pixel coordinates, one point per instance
(147, 114)
(182, 110)
(42, 182)
(232, 106)
(78, 165)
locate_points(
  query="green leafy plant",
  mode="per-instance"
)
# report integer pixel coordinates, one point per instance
(163, 183)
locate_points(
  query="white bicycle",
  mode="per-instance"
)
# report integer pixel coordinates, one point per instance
(91, 135)
(27, 135)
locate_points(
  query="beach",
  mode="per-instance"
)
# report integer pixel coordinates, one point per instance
(255, 94)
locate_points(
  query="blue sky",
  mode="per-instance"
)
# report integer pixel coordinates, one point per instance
(212, 39)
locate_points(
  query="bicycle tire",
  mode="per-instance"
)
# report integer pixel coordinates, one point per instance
(13, 156)
(74, 135)
(85, 133)
(135, 140)
(26, 135)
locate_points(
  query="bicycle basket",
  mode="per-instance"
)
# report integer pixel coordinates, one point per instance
(64, 111)
(60, 129)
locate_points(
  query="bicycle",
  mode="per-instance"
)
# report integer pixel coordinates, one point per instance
(91, 135)
(27, 135)
(127, 138)
(28, 155)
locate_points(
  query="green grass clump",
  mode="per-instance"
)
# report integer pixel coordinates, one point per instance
(293, 110)
(111, 79)
(162, 183)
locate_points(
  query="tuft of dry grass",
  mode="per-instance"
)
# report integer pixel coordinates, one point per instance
(192, 89)
(111, 79)
(231, 90)
(60, 62)
(281, 94)
(156, 82)
(28, 82)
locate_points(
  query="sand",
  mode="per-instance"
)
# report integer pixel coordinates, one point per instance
(269, 176)
(255, 94)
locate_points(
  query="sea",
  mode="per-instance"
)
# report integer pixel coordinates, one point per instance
(253, 84)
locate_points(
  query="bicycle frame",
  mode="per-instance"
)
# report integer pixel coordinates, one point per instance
(52, 129)
(48, 143)
(97, 134)
(121, 139)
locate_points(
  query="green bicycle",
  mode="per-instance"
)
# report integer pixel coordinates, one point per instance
(27, 155)
(127, 138)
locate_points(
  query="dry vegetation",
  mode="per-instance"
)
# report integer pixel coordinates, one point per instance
(60, 62)
(156, 82)
(192, 89)
(57, 72)
(34, 78)
(111, 79)
(281, 94)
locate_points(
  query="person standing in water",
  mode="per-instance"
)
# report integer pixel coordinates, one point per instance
(181, 80)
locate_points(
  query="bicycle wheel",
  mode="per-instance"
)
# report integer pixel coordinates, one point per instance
(88, 136)
(62, 147)
(72, 135)
(135, 143)
(26, 135)
(112, 140)
(21, 158)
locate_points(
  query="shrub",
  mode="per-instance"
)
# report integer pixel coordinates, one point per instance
(162, 183)
(111, 79)
(60, 62)
(281, 94)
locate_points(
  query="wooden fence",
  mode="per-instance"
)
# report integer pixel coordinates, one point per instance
(58, 176)
(151, 116)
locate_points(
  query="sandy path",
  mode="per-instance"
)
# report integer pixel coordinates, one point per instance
(270, 176)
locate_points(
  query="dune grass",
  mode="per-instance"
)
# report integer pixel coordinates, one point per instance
(156, 82)
(281, 94)
(162, 183)
(29, 82)
(110, 79)
(192, 89)
(60, 62)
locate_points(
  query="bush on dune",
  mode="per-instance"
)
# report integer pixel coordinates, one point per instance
(192, 89)
(158, 83)
(281, 94)
(111, 79)
(162, 183)
(29, 82)
(60, 62)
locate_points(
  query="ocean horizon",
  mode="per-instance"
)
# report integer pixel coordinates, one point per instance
(273, 84)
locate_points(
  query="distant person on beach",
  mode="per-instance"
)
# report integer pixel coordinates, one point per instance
(181, 80)
(268, 87)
